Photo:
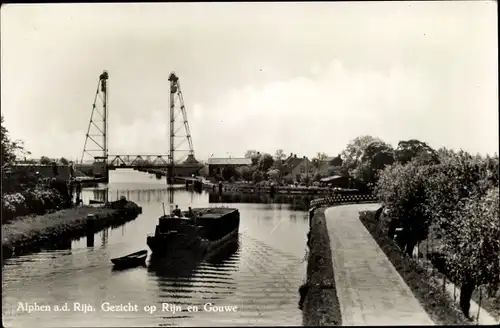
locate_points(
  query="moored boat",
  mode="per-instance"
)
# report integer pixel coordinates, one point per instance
(131, 260)
(207, 229)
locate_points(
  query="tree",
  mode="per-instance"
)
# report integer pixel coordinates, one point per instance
(402, 189)
(351, 156)
(379, 155)
(10, 149)
(251, 153)
(45, 160)
(265, 162)
(257, 176)
(278, 165)
(204, 171)
(280, 155)
(472, 246)
(273, 174)
(254, 155)
(375, 157)
(319, 159)
(458, 176)
(288, 179)
(245, 173)
(306, 179)
(317, 177)
(410, 149)
(228, 172)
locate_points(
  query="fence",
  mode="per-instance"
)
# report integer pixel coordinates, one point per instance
(343, 199)
(426, 256)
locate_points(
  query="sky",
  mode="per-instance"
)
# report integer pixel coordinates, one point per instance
(302, 77)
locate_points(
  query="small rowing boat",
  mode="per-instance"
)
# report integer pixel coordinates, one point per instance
(131, 260)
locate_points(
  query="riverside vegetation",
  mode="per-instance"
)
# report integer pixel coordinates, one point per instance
(37, 212)
(442, 203)
(23, 191)
(450, 208)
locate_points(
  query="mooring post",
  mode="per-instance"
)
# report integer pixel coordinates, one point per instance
(311, 215)
(90, 230)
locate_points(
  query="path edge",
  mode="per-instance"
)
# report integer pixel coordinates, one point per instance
(319, 301)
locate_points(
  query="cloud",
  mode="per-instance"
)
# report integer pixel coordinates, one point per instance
(319, 77)
(305, 114)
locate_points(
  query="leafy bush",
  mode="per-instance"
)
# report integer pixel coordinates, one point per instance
(402, 190)
(30, 201)
(459, 196)
(472, 247)
(257, 176)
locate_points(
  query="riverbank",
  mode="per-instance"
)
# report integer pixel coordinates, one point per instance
(319, 301)
(29, 202)
(283, 190)
(30, 233)
(437, 303)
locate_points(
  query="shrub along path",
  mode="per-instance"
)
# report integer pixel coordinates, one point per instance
(370, 290)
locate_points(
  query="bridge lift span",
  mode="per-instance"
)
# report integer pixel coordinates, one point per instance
(96, 143)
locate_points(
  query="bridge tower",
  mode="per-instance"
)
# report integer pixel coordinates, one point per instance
(97, 131)
(177, 107)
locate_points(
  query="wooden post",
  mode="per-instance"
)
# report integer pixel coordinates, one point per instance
(426, 260)
(418, 252)
(90, 230)
(432, 248)
(479, 305)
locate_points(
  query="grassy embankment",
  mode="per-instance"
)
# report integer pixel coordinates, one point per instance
(30, 233)
(320, 305)
(437, 303)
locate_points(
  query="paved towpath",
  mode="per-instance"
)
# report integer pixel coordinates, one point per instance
(370, 290)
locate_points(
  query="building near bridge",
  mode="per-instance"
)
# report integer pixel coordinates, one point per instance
(329, 164)
(217, 165)
(298, 167)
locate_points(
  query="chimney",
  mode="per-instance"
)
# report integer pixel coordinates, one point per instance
(295, 156)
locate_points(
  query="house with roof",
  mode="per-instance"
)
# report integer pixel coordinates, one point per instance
(328, 163)
(217, 165)
(298, 167)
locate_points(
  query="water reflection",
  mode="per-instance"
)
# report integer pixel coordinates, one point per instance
(183, 283)
(225, 254)
(260, 273)
(185, 263)
(60, 244)
(296, 202)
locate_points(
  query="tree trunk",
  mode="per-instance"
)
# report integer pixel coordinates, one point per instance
(378, 214)
(392, 228)
(466, 291)
(410, 246)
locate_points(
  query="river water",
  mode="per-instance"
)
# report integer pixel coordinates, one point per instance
(259, 275)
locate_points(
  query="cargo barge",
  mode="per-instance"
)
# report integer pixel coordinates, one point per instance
(202, 232)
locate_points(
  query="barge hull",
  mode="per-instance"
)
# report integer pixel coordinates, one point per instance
(213, 227)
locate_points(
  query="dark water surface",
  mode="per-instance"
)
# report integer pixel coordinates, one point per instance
(259, 274)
